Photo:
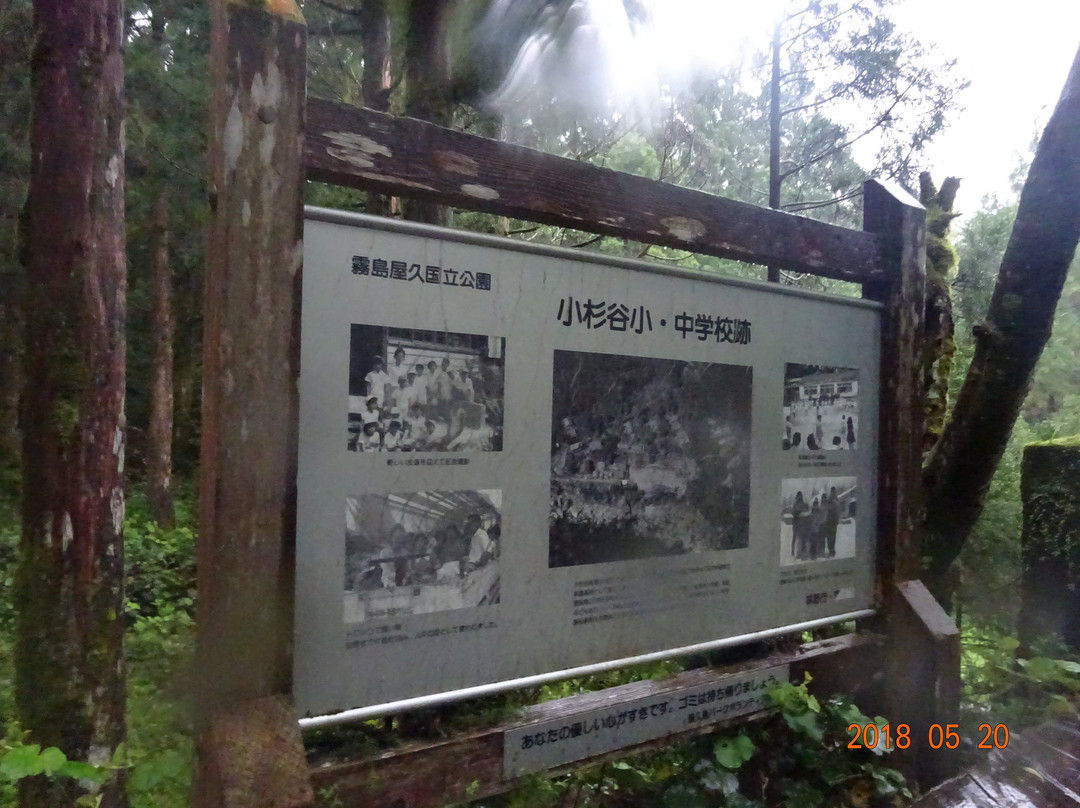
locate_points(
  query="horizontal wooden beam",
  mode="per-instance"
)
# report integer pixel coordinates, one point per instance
(361, 148)
(427, 775)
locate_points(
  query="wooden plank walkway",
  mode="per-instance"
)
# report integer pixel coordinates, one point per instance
(1040, 768)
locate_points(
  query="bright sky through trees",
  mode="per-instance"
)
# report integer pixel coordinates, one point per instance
(597, 58)
(1017, 56)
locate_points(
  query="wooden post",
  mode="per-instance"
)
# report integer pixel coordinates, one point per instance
(250, 409)
(922, 672)
(900, 223)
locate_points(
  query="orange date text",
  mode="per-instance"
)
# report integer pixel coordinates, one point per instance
(938, 736)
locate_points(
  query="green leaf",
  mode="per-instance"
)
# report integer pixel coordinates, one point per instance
(52, 760)
(714, 779)
(1008, 644)
(731, 753)
(20, 762)
(682, 795)
(78, 770)
(119, 757)
(1068, 665)
(805, 723)
(150, 773)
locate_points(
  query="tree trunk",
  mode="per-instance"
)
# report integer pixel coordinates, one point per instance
(163, 325)
(375, 81)
(11, 381)
(958, 471)
(938, 343)
(251, 370)
(69, 594)
(427, 87)
(774, 138)
(1050, 543)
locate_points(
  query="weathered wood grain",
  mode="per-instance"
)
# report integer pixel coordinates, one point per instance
(426, 775)
(365, 149)
(923, 679)
(900, 222)
(1040, 768)
(251, 353)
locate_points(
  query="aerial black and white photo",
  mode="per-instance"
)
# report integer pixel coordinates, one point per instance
(649, 457)
(424, 391)
(817, 519)
(421, 552)
(821, 407)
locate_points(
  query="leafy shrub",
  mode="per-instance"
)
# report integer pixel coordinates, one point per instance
(1000, 689)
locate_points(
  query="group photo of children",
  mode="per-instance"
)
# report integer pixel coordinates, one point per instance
(649, 457)
(817, 519)
(821, 408)
(423, 391)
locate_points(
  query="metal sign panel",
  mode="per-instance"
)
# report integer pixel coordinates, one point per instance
(516, 460)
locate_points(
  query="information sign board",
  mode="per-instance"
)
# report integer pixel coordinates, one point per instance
(516, 460)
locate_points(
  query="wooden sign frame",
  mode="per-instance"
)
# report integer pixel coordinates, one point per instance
(249, 749)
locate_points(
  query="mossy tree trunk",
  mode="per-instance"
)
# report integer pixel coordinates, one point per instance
(1050, 542)
(69, 594)
(1009, 342)
(938, 343)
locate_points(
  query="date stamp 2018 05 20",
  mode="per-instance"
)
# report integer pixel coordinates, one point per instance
(937, 736)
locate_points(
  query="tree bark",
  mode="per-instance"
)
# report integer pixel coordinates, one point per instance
(69, 594)
(427, 87)
(375, 81)
(251, 370)
(773, 273)
(958, 471)
(11, 377)
(938, 343)
(163, 325)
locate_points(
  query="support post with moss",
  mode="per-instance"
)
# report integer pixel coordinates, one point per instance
(1050, 542)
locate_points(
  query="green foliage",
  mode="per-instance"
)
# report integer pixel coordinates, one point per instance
(19, 760)
(990, 560)
(160, 563)
(160, 646)
(799, 757)
(1000, 689)
(731, 753)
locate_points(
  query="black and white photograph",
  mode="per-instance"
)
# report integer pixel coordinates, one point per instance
(817, 519)
(649, 457)
(424, 391)
(421, 552)
(821, 408)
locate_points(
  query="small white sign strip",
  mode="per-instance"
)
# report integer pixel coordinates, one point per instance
(556, 742)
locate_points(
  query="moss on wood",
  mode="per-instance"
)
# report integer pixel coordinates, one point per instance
(1050, 542)
(939, 346)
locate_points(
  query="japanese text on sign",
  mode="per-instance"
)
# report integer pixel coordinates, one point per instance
(535, 747)
(426, 274)
(616, 316)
